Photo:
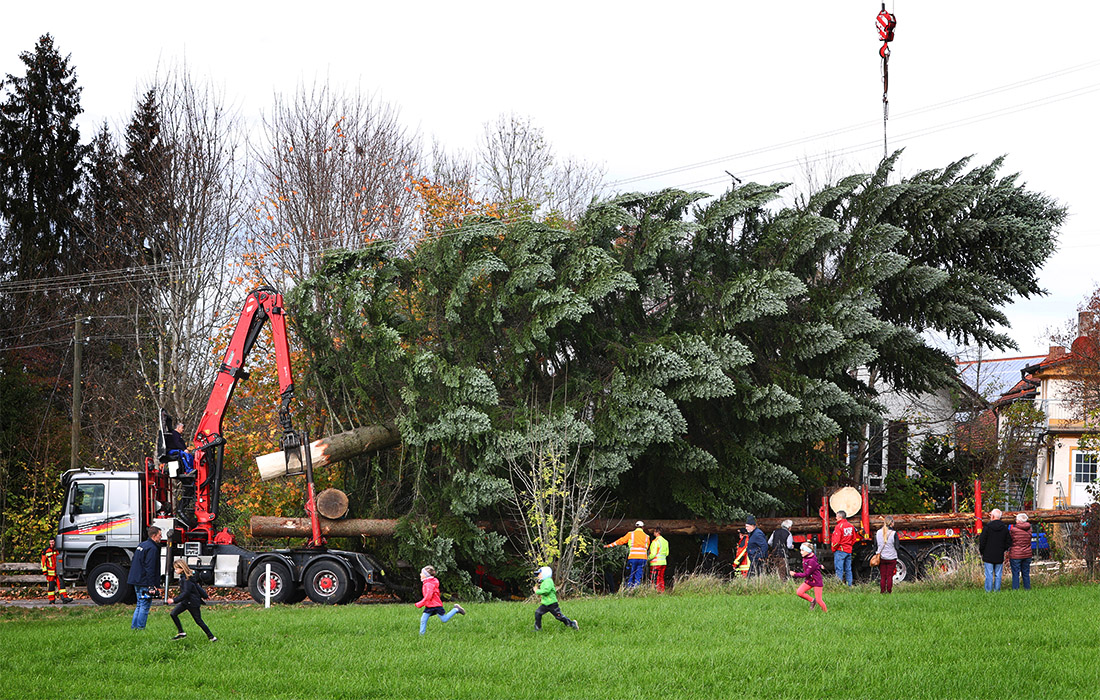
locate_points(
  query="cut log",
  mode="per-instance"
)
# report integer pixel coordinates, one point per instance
(267, 526)
(333, 448)
(332, 504)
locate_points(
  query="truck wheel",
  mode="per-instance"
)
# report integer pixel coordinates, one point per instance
(282, 585)
(355, 590)
(107, 584)
(907, 569)
(942, 560)
(327, 583)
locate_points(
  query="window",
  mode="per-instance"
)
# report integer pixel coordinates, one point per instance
(898, 445)
(1084, 467)
(1050, 466)
(88, 498)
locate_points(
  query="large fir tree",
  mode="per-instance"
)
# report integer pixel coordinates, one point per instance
(701, 360)
(40, 158)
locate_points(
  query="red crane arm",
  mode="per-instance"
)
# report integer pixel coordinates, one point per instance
(261, 305)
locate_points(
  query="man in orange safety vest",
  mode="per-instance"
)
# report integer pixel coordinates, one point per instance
(53, 582)
(639, 552)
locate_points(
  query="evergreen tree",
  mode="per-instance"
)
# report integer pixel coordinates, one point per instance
(102, 215)
(40, 157)
(700, 360)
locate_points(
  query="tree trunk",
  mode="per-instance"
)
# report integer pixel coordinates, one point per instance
(267, 526)
(333, 448)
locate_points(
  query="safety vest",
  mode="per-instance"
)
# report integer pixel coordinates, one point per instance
(49, 562)
(658, 551)
(638, 541)
(741, 559)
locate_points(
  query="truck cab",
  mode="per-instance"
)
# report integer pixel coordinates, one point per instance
(100, 525)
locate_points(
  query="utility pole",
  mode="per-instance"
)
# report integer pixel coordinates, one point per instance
(78, 353)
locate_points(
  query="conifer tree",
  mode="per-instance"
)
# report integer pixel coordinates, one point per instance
(40, 157)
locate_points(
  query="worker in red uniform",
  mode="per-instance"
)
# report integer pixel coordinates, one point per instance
(639, 552)
(844, 536)
(49, 570)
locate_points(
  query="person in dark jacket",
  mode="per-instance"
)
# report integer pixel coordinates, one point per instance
(780, 544)
(145, 576)
(993, 543)
(811, 573)
(757, 548)
(1019, 554)
(190, 599)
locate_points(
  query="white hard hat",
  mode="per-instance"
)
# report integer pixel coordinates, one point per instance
(545, 573)
(639, 524)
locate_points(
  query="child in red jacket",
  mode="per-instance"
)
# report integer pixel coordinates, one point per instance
(431, 602)
(811, 572)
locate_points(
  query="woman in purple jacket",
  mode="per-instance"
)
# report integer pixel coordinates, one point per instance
(811, 571)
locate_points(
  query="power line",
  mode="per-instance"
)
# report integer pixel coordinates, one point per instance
(856, 127)
(157, 272)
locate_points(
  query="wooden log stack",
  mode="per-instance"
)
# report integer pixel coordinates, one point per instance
(266, 526)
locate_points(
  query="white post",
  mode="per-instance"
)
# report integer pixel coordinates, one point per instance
(267, 588)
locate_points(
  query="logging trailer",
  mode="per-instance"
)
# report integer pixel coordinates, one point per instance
(106, 513)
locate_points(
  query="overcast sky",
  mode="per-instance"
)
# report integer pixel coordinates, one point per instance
(663, 94)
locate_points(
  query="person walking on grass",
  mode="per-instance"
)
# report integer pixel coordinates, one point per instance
(431, 602)
(190, 599)
(993, 543)
(1019, 554)
(548, 595)
(639, 550)
(145, 576)
(886, 540)
(658, 559)
(844, 536)
(811, 575)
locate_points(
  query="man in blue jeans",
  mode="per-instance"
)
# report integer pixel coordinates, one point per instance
(844, 536)
(994, 541)
(145, 576)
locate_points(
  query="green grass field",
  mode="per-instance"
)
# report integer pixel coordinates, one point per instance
(913, 644)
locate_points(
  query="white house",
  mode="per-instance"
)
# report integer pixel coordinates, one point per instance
(1063, 471)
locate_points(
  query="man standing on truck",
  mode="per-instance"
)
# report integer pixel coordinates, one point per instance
(994, 541)
(145, 576)
(844, 536)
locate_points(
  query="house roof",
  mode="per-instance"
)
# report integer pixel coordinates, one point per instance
(994, 377)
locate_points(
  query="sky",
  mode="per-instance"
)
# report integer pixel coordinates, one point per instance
(661, 94)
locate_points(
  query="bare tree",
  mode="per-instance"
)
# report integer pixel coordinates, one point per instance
(517, 165)
(554, 494)
(333, 170)
(184, 193)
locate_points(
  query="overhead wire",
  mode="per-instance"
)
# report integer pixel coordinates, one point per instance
(155, 272)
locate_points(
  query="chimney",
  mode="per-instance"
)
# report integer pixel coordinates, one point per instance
(1055, 352)
(1086, 323)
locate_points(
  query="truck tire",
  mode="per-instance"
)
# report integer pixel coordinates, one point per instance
(942, 560)
(282, 585)
(355, 590)
(327, 583)
(907, 569)
(107, 584)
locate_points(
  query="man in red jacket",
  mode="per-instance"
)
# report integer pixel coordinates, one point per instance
(844, 536)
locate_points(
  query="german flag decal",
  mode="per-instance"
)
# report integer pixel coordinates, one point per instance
(100, 528)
